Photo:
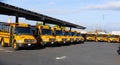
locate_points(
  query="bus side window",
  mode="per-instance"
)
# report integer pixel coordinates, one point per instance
(7, 29)
(3, 28)
(0, 27)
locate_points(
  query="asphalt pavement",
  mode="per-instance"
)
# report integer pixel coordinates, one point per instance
(89, 53)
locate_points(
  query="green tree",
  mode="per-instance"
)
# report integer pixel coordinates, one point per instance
(39, 23)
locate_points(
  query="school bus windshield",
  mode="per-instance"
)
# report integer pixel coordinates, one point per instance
(23, 30)
(46, 32)
(73, 33)
(90, 35)
(114, 36)
(59, 32)
(102, 35)
(78, 34)
(67, 34)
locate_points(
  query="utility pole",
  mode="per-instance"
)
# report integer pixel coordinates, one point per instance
(103, 18)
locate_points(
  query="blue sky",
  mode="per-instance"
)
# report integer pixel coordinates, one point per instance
(93, 14)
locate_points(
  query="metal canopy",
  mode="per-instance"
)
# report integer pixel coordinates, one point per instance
(10, 10)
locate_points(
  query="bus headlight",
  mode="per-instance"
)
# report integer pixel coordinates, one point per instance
(19, 41)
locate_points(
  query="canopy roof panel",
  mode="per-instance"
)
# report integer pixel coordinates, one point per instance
(10, 10)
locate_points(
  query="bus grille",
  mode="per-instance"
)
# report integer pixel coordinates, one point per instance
(52, 40)
(71, 39)
(77, 39)
(28, 40)
(64, 39)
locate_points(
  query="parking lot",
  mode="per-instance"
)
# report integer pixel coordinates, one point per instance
(89, 53)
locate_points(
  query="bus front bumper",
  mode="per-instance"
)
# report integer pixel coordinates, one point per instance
(48, 43)
(26, 45)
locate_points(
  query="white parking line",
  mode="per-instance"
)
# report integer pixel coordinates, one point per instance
(59, 58)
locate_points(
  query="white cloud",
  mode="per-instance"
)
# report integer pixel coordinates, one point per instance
(106, 6)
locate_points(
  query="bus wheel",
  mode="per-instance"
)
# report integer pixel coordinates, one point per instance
(15, 46)
(97, 41)
(2, 43)
(108, 41)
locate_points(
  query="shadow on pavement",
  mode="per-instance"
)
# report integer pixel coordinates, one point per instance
(32, 48)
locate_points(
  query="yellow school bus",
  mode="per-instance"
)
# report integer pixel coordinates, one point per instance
(59, 35)
(67, 34)
(73, 35)
(79, 37)
(113, 38)
(102, 37)
(44, 35)
(16, 35)
(90, 37)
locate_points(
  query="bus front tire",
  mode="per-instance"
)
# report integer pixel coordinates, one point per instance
(3, 44)
(15, 46)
